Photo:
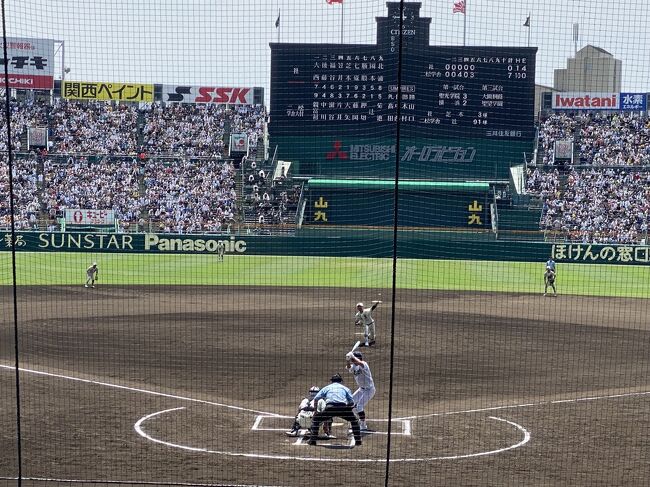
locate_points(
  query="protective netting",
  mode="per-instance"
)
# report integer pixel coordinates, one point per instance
(209, 209)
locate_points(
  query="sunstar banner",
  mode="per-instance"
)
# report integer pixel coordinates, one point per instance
(29, 62)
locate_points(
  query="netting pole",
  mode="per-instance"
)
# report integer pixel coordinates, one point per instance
(13, 243)
(395, 222)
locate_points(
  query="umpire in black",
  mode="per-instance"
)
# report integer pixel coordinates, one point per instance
(338, 403)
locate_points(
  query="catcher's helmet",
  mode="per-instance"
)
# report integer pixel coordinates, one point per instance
(313, 390)
(358, 355)
(337, 378)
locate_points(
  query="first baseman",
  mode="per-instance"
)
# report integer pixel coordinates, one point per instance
(363, 377)
(92, 275)
(364, 317)
(549, 280)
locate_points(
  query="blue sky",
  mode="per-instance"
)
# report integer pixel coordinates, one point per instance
(225, 42)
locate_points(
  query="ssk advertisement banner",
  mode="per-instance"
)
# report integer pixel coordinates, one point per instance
(30, 64)
(220, 95)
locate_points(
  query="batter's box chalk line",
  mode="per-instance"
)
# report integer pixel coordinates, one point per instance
(139, 428)
(405, 424)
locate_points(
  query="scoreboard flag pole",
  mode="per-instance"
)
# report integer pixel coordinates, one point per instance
(342, 22)
(465, 24)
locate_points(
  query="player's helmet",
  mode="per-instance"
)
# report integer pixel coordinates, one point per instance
(548, 267)
(313, 390)
(337, 378)
(358, 355)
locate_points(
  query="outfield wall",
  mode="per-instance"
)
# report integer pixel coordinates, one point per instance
(374, 244)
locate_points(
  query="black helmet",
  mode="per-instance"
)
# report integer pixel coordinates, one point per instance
(358, 355)
(337, 378)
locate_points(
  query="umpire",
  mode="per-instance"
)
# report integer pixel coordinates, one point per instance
(338, 403)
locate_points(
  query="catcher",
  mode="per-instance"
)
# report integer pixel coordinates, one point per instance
(305, 414)
(549, 280)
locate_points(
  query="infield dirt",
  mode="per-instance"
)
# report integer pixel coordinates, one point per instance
(474, 373)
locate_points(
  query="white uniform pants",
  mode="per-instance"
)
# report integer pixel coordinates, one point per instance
(361, 397)
(370, 332)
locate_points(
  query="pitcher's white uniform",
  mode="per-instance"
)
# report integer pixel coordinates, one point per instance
(366, 390)
(364, 317)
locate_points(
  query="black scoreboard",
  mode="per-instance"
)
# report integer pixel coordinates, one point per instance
(473, 92)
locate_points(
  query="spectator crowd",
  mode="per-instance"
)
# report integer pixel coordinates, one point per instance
(177, 192)
(595, 205)
(605, 139)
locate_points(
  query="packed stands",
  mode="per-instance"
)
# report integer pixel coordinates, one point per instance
(185, 197)
(25, 192)
(602, 139)
(93, 128)
(23, 114)
(198, 130)
(597, 205)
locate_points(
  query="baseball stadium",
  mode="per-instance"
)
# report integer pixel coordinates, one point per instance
(336, 242)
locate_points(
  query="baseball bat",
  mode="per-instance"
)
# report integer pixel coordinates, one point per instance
(356, 345)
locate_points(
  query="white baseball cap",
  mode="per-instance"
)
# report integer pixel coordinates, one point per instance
(359, 304)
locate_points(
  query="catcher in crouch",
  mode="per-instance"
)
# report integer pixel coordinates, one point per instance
(305, 414)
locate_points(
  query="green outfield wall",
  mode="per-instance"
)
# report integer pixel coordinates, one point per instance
(371, 243)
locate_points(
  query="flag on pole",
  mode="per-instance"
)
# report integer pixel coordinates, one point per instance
(277, 21)
(459, 7)
(527, 23)
(330, 2)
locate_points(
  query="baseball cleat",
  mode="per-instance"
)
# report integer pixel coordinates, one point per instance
(292, 433)
(86, 285)
(358, 443)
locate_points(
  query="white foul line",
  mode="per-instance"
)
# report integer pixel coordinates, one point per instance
(526, 405)
(141, 432)
(144, 391)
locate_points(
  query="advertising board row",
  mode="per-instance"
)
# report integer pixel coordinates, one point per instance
(30, 66)
(354, 244)
(599, 101)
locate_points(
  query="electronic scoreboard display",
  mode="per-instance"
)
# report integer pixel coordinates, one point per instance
(446, 91)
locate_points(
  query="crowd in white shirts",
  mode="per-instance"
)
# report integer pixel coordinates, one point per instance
(596, 205)
(93, 127)
(601, 139)
(25, 193)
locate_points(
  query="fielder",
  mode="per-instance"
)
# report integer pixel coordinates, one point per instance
(92, 275)
(549, 280)
(363, 378)
(221, 248)
(305, 414)
(364, 317)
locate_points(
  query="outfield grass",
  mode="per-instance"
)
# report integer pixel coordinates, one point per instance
(61, 268)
